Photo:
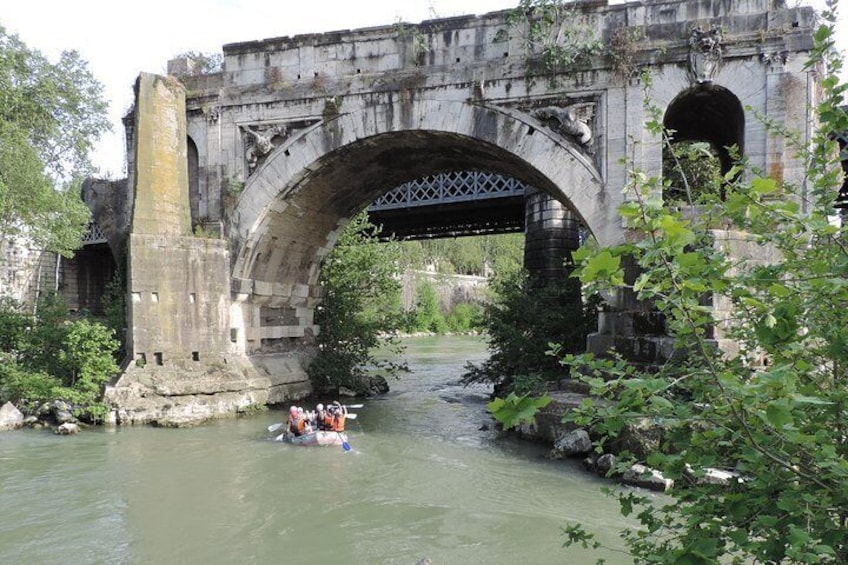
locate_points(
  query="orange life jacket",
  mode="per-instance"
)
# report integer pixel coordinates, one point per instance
(338, 423)
(297, 426)
(328, 421)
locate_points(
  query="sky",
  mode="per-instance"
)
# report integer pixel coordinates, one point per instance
(120, 39)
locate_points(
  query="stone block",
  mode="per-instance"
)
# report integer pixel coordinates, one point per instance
(645, 477)
(10, 417)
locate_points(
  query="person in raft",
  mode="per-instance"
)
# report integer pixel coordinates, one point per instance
(335, 418)
(296, 424)
(320, 417)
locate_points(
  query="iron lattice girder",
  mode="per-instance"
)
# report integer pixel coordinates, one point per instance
(501, 215)
(452, 204)
(443, 188)
(94, 235)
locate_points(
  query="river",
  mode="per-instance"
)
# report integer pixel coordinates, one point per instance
(423, 479)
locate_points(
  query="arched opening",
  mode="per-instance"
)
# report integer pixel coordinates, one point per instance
(194, 195)
(706, 126)
(346, 180)
(296, 204)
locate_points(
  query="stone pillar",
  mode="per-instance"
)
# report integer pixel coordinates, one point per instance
(633, 328)
(179, 285)
(552, 232)
(181, 368)
(160, 176)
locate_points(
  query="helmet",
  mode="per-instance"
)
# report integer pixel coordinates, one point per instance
(319, 407)
(293, 411)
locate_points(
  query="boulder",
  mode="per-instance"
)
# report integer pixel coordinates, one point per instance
(571, 443)
(67, 429)
(10, 417)
(640, 438)
(62, 412)
(711, 476)
(645, 477)
(377, 384)
(600, 464)
(605, 463)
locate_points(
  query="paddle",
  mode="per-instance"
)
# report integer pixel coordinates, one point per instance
(345, 445)
(354, 406)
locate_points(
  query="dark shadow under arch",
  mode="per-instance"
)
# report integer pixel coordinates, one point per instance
(708, 113)
(194, 197)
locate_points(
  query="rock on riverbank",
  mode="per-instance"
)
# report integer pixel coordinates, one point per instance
(567, 440)
(10, 417)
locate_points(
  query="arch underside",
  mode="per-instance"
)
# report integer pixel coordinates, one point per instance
(709, 113)
(299, 200)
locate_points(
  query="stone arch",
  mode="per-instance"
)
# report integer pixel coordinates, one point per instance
(708, 112)
(193, 162)
(296, 203)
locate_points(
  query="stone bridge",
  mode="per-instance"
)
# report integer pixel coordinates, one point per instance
(268, 160)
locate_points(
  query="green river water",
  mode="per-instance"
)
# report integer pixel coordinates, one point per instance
(422, 480)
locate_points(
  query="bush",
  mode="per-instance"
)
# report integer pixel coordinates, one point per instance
(45, 357)
(523, 319)
(20, 386)
(87, 352)
(465, 317)
(361, 302)
(13, 324)
(427, 316)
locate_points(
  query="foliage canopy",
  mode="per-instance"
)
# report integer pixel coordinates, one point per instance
(360, 308)
(50, 115)
(47, 357)
(774, 414)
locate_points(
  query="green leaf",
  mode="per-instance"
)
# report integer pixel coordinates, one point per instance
(804, 399)
(761, 185)
(603, 266)
(778, 413)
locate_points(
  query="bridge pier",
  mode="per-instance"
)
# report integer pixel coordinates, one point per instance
(182, 367)
(552, 232)
(632, 327)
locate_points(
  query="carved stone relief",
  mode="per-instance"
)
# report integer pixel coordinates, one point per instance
(776, 62)
(704, 53)
(212, 113)
(259, 141)
(572, 120)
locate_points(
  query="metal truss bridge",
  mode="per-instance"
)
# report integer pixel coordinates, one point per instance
(459, 203)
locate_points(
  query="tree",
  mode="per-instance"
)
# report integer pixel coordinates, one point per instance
(50, 115)
(361, 305)
(522, 320)
(47, 357)
(775, 413)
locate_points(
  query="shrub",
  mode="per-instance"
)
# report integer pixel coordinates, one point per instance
(19, 386)
(427, 316)
(523, 319)
(361, 303)
(465, 317)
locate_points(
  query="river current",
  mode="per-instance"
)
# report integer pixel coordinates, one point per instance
(423, 480)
